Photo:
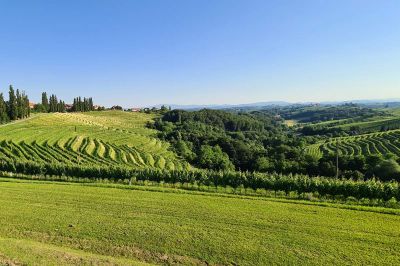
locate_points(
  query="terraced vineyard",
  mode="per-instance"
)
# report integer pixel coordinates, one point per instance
(374, 143)
(96, 138)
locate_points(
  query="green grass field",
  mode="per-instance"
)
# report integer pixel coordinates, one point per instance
(95, 138)
(63, 223)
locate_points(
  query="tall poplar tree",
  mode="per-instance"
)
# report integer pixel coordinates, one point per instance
(3, 110)
(45, 101)
(20, 105)
(12, 104)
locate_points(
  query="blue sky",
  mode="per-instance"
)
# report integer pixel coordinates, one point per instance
(138, 53)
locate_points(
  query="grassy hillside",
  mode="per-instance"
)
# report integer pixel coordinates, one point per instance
(366, 144)
(385, 119)
(64, 223)
(95, 138)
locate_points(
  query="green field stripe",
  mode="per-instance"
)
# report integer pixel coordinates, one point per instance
(393, 139)
(69, 143)
(356, 148)
(45, 151)
(324, 149)
(84, 144)
(21, 153)
(364, 147)
(389, 145)
(61, 153)
(90, 147)
(345, 149)
(378, 144)
(120, 154)
(76, 144)
(372, 148)
(135, 155)
(160, 163)
(129, 156)
(36, 155)
(100, 149)
(6, 149)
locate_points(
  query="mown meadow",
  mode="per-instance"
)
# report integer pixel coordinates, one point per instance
(65, 223)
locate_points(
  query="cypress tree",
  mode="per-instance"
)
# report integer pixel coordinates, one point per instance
(45, 101)
(12, 104)
(80, 104)
(74, 106)
(3, 110)
(20, 105)
(27, 108)
(91, 104)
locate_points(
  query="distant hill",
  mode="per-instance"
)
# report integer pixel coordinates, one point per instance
(373, 102)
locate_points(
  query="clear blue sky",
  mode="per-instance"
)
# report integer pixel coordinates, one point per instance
(137, 53)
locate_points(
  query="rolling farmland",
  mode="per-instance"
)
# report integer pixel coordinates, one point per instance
(366, 144)
(97, 138)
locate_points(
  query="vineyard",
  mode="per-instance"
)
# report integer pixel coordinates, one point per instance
(91, 139)
(367, 144)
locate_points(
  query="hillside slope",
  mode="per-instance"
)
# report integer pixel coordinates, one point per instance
(93, 138)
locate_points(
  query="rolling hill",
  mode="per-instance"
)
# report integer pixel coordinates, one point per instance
(111, 138)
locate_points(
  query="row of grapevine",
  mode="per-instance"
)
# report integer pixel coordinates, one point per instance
(372, 189)
(86, 151)
(367, 144)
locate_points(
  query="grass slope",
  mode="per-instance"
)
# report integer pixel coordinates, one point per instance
(119, 226)
(102, 138)
(365, 144)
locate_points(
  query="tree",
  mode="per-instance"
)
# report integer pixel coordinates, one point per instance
(19, 105)
(182, 149)
(262, 164)
(61, 107)
(3, 110)
(214, 158)
(53, 104)
(388, 170)
(40, 108)
(25, 105)
(45, 101)
(12, 104)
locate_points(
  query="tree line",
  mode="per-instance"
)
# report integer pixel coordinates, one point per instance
(53, 105)
(84, 105)
(17, 106)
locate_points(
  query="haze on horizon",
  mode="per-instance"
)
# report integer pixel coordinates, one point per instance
(140, 53)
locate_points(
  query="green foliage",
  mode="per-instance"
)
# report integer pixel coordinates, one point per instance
(12, 104)
(243, 137)
(45, 103)
(388, 169)
(4, 118)
(316, 113)
(83, 106)
(216, 118)
(263, 164)
(214, 158)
